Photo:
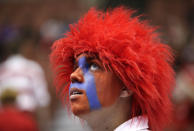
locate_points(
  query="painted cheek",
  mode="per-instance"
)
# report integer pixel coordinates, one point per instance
(108, 88)
(91, 91)
(88, 85)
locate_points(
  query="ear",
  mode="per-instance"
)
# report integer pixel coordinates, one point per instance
(125, 93)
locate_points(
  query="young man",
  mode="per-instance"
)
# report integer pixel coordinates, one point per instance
(114, 72)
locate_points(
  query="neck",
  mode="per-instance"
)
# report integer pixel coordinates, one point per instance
(108, 118)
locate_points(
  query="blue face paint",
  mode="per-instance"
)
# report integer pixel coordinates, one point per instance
(88, 85)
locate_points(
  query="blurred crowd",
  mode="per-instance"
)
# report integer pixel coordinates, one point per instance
(28, 29)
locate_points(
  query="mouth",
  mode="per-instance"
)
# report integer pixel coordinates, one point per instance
(75, 93)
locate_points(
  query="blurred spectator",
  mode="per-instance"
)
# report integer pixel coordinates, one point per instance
(184, 99)
(11, 118)
(184, 92)
(27, 79)
(52, 30)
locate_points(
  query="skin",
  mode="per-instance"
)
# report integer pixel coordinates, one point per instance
(108, 118)
(80, 105)
(106, 84)
(114, 101)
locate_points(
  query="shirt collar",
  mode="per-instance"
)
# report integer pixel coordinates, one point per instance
(134, 124)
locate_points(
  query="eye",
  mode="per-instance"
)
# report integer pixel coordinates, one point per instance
(94, 67)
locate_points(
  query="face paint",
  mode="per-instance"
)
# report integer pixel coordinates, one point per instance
(88, 84)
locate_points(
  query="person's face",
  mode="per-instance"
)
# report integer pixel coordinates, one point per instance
(92, 87)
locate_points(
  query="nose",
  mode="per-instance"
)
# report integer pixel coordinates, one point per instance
(77, 76)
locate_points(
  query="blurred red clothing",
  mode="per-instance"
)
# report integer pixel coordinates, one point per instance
(11, 119)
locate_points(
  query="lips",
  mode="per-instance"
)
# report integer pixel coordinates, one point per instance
(75, 93)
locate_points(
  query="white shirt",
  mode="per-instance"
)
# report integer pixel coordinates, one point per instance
(139, 123)
(27, 78)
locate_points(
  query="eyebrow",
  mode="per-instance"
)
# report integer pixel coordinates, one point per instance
(89, 58)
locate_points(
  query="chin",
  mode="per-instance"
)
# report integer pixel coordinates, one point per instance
(80, 105)
(79, 112)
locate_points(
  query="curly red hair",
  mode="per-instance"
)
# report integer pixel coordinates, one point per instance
(128, 47)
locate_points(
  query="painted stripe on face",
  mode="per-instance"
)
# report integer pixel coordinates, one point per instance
(88, 85)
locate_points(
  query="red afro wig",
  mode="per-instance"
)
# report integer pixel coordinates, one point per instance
(128, 47)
